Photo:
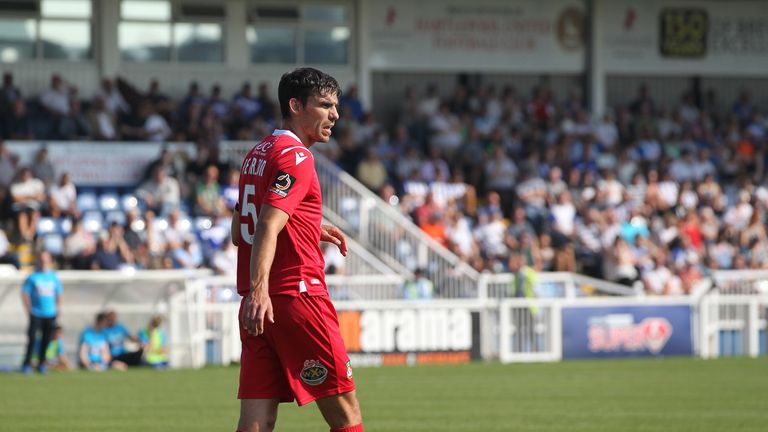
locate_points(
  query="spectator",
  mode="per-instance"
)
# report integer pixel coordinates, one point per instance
(117, 334)
(154, 344)
(6, 256)
(79, 247)
(112, 251)
(248, 107)
(185, 254)
(208, 199)
(350, 101)
(269, 108)
(94, 349)
(55, 357)
(42, 168)
(41, 295)
(27, 196)
(224, 261)
(371, 171)
(102, 122)
(160, 193)
(9, 94)
(418, 288)
(55, 99)
(113, 101)
(16, 124)
(219, 105)
(74, 125)
(62, 198)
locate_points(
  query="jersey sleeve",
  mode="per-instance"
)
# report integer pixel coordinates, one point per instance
(291, 180)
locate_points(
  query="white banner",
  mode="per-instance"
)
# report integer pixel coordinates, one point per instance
(484, 35)
(98, 163)
(678, 36)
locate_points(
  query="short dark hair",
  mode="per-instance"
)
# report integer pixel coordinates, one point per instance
(301, 84)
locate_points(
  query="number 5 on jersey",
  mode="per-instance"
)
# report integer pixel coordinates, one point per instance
(248, 213)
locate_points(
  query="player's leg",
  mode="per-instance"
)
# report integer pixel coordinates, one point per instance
(315, 360)
(257, 415)
(262, 384)
(342, 412)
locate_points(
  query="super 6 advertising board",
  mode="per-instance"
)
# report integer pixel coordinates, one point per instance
(626, 331)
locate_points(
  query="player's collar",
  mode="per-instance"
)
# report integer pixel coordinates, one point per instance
(279, 132)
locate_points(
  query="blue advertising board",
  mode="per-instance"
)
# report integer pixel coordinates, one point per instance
(626, 331)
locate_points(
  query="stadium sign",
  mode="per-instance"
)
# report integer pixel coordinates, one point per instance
(389, 336)
(673, 36)
(507, 35)
(626, 331)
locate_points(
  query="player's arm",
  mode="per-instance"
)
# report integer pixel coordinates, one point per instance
(258, 306)
(234, 227)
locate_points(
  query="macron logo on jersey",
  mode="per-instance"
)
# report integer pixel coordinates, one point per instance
(300, 157)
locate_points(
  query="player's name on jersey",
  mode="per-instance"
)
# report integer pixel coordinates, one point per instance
(254, 166)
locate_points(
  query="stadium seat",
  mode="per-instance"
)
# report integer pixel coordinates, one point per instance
(45, 226)
(184, 225)
(129, 202)
(64, 226)
(203, 223)
(109, 202)
(87, 201)
(161, 223)
(93, 221)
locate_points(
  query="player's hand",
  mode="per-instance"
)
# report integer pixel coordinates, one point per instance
(257, 308)
(331, 234)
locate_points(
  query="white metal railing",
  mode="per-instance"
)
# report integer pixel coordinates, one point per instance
(393, 237)
(553, 285)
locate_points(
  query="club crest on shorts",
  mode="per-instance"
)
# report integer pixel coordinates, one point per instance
(313, 373)
(349, 370)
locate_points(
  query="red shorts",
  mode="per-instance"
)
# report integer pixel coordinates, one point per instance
(301, 356)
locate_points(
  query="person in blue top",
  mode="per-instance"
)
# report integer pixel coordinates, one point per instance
(41, 295)
(117, 334)
(94, 349)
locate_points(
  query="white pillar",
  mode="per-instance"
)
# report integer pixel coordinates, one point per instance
(236, 51)
(363, 70)
(596, 71)
(106, 18)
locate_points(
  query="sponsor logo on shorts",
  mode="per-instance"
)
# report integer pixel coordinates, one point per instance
(282, 184)
(349, 370)
(313, 373)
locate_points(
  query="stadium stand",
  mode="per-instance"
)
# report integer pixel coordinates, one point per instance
(486, 172)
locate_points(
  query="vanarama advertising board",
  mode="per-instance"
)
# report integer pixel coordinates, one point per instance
(391, 335)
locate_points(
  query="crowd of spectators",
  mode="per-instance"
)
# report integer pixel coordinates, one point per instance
(647, 193)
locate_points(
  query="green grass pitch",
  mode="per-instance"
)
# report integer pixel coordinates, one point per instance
(591, 396)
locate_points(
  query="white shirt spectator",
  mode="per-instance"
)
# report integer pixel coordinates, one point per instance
(29, 189)
(565, 217)
(656, 280)
(64, 195)
(113, 101)
(224, 261)
(607, 134)
(613, 190)
(500, 173)
(55, 100)
(460, 234)
(683, 170)
(157, 128)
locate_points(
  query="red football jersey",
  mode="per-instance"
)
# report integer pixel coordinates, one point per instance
(280, 171)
